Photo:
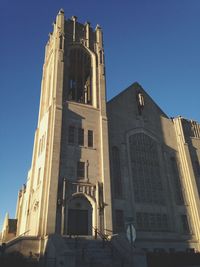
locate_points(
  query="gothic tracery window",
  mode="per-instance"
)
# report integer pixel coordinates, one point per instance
(154, 222)
(80, 76)
(145, 167)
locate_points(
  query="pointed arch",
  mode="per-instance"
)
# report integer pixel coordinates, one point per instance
(80, 75)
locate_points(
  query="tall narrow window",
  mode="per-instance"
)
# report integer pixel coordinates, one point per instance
(90, 138)
(116, 170)
(71, 135)
(119, 218)
(80, 170)
(38, 178)
(176, 182)
(80, 76)
(81, 137)
(185, 224)
(61, 42)
(101, 56)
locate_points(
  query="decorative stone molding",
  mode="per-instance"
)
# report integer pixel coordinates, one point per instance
(81, 187)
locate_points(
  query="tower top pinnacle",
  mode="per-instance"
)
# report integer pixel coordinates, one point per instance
(61, 11)
(74, 18)
(98, 27)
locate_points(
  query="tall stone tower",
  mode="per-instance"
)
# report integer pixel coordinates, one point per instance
(68, 187)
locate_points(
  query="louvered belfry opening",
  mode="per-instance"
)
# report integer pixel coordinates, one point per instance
(80, 78)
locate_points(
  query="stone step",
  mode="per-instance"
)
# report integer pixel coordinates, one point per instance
(101, 264)
(82, 238)
(92, 245)
(90, 252)
(88, 255)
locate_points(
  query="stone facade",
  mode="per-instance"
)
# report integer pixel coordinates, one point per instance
(69, 180)
(158, 172)
(103, 166)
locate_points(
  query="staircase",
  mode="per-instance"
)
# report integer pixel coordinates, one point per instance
(80, 251)
(90, 252)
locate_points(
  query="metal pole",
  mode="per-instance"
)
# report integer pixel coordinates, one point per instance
(63, 208)
(131, 235)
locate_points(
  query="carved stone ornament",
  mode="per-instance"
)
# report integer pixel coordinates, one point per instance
(140, 102)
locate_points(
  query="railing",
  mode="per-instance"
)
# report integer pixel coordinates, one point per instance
(102, 235)
(13, 240)
(106, 240)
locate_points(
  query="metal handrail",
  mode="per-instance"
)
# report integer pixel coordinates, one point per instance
(102, 235)
(108, 230)
(105, 238)
(15, 239)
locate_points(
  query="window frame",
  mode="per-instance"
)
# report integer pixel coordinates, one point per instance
(81, 138)
(80, 171)
(90, 138)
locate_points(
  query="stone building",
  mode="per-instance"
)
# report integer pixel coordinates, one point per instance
(68, 187)
(155, 172)
(101, 166)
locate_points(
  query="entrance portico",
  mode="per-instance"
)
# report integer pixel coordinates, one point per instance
(80, 217)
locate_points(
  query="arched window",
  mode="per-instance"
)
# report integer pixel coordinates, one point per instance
(116, 171)
(145, 169)
(80, 76)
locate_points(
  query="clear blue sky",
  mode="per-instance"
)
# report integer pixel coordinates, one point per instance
(154, 42)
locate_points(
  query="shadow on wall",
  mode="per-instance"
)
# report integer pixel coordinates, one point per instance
(56, 254)
(13, 259)
(73, 207)
(190, 133)
(70, 157)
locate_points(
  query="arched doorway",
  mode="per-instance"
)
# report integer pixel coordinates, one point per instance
(79, 216)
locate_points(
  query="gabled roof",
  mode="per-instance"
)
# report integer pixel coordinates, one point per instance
(138, 87)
